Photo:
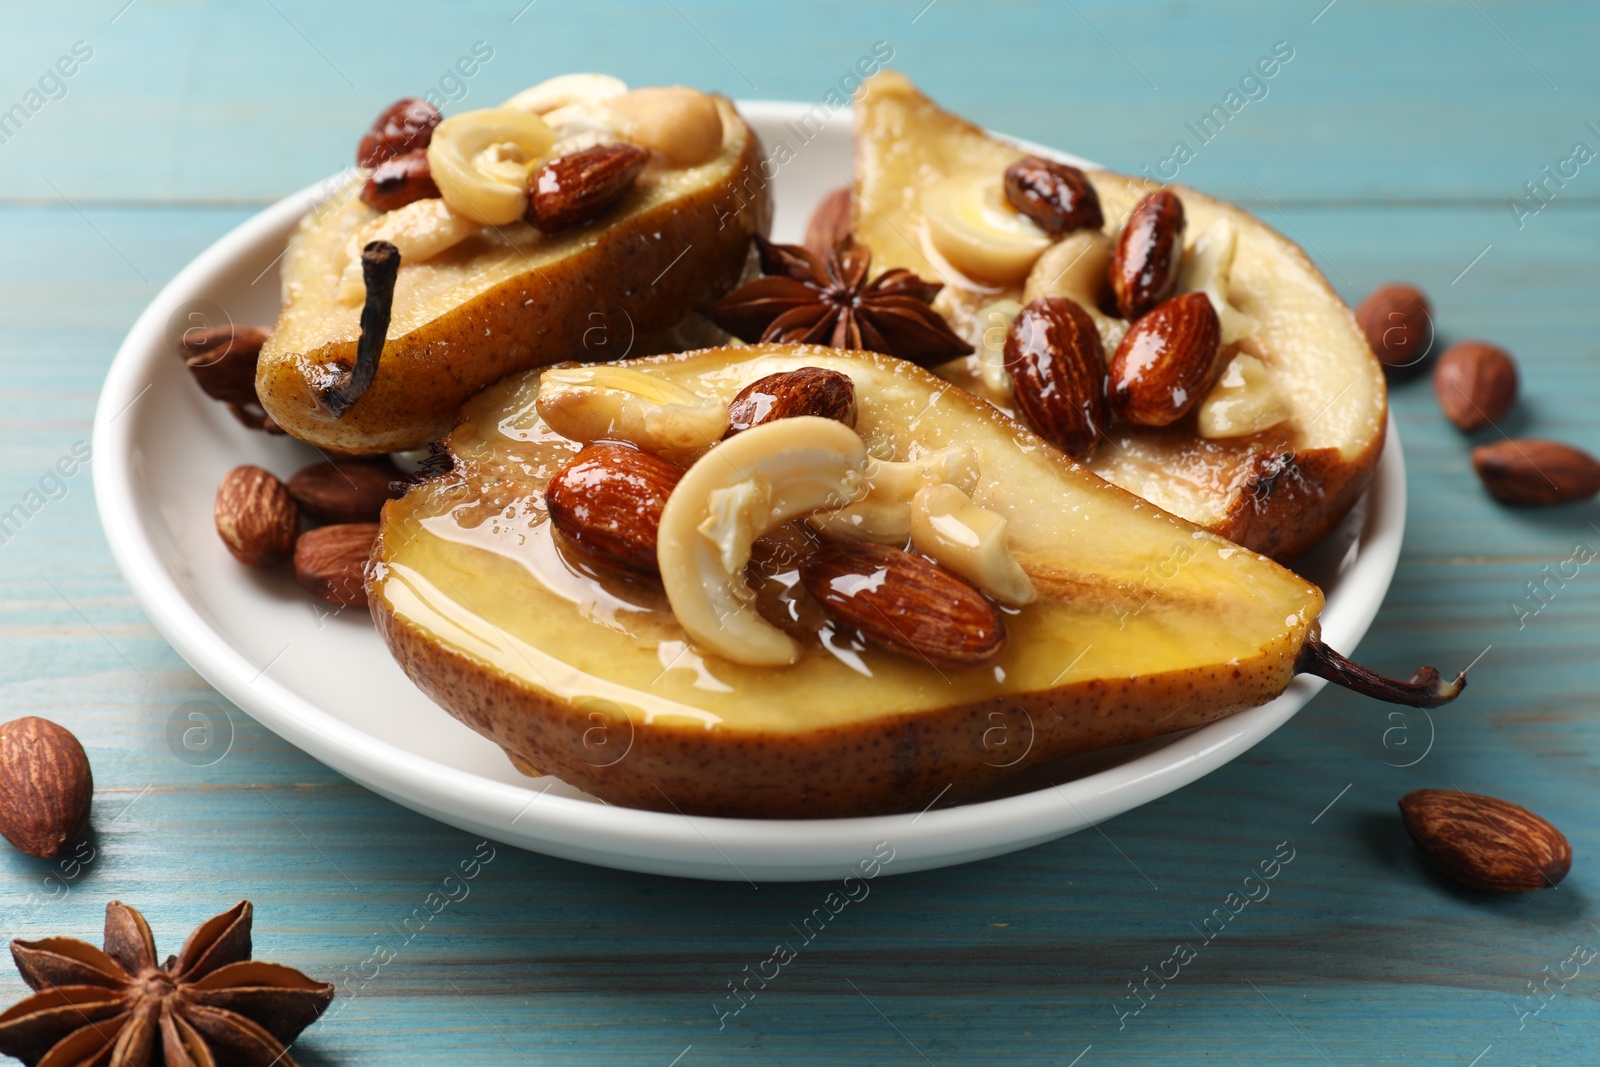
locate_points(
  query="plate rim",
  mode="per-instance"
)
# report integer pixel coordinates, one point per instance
(638, 840)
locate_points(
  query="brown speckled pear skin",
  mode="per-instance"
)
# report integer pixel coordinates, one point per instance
(1144, 625)
(1241, 488)
(617, 286)
(894, 763)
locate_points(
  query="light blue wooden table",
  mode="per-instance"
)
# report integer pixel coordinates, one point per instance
(1390, 145)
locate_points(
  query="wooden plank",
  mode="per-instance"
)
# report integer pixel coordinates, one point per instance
(246, 102)
(1407, 130)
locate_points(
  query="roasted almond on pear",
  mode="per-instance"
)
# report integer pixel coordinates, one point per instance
(582, 186)
(787, 394)
(608, 501)
(1144, 266)
(906, 604)
(1056, 196)
(45, 786)
(1058, 374)
(400, 181)
(404, 126)
(1166, 362)
(1485, 843)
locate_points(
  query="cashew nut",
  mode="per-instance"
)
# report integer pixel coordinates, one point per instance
(420, 230)
(883, 515)
(565, 90)
(744, 487)
(996, 318)
(581, 126)
(969, 540)
(1075, 267)
(1205, 269)
(682, 124)
(481, 160)
(1244, 401)
(972, 225)
(605, 403)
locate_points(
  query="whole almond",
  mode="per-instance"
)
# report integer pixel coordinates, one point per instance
(1475, 383)
(1398, 322)
(1485, 843)
(256, 517)
(830, 223)
(1535, 473)
(1056, 196)
(1058, 374)
(45, 786)
(399, 181)
(223, 360)
(804, 391)
(582, 186)
(345, 491)
(906, 604)
(608, 500)
(330, 562)
(1144, 266)
(1167, 361)
(404, 126)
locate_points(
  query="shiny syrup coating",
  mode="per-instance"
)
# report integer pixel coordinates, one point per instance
(1144, 266)
(608, 501)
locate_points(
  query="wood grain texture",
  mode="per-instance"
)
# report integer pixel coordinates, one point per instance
(1389, 145)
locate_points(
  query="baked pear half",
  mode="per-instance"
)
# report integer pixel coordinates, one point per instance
(1266, 437)
(578, 220)
(791, 581)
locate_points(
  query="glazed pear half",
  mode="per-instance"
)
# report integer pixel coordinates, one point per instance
(1143, 623)
(1278, 490)
(508, 298)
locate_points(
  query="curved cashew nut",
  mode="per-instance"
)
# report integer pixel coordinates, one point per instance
(972, 225)
(420, 230)
(1075, 267)
(683, 124)
(565, 90)
(969, 540)
(1244, 401)
(884, 516)
(995, 318)
(747, 485)
(605, 403)
(481, 160)
(1206, 268)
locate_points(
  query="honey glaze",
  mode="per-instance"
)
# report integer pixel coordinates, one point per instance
(472, 560)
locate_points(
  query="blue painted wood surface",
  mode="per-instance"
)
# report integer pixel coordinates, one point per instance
(1390, 144)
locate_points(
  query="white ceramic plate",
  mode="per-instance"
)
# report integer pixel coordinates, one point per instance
(327, 684)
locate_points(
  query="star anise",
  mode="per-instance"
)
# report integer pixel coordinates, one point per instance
(809, 299)
(208, 1006)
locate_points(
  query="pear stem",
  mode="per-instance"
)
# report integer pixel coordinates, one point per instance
(380, 266)
(1425, 690)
